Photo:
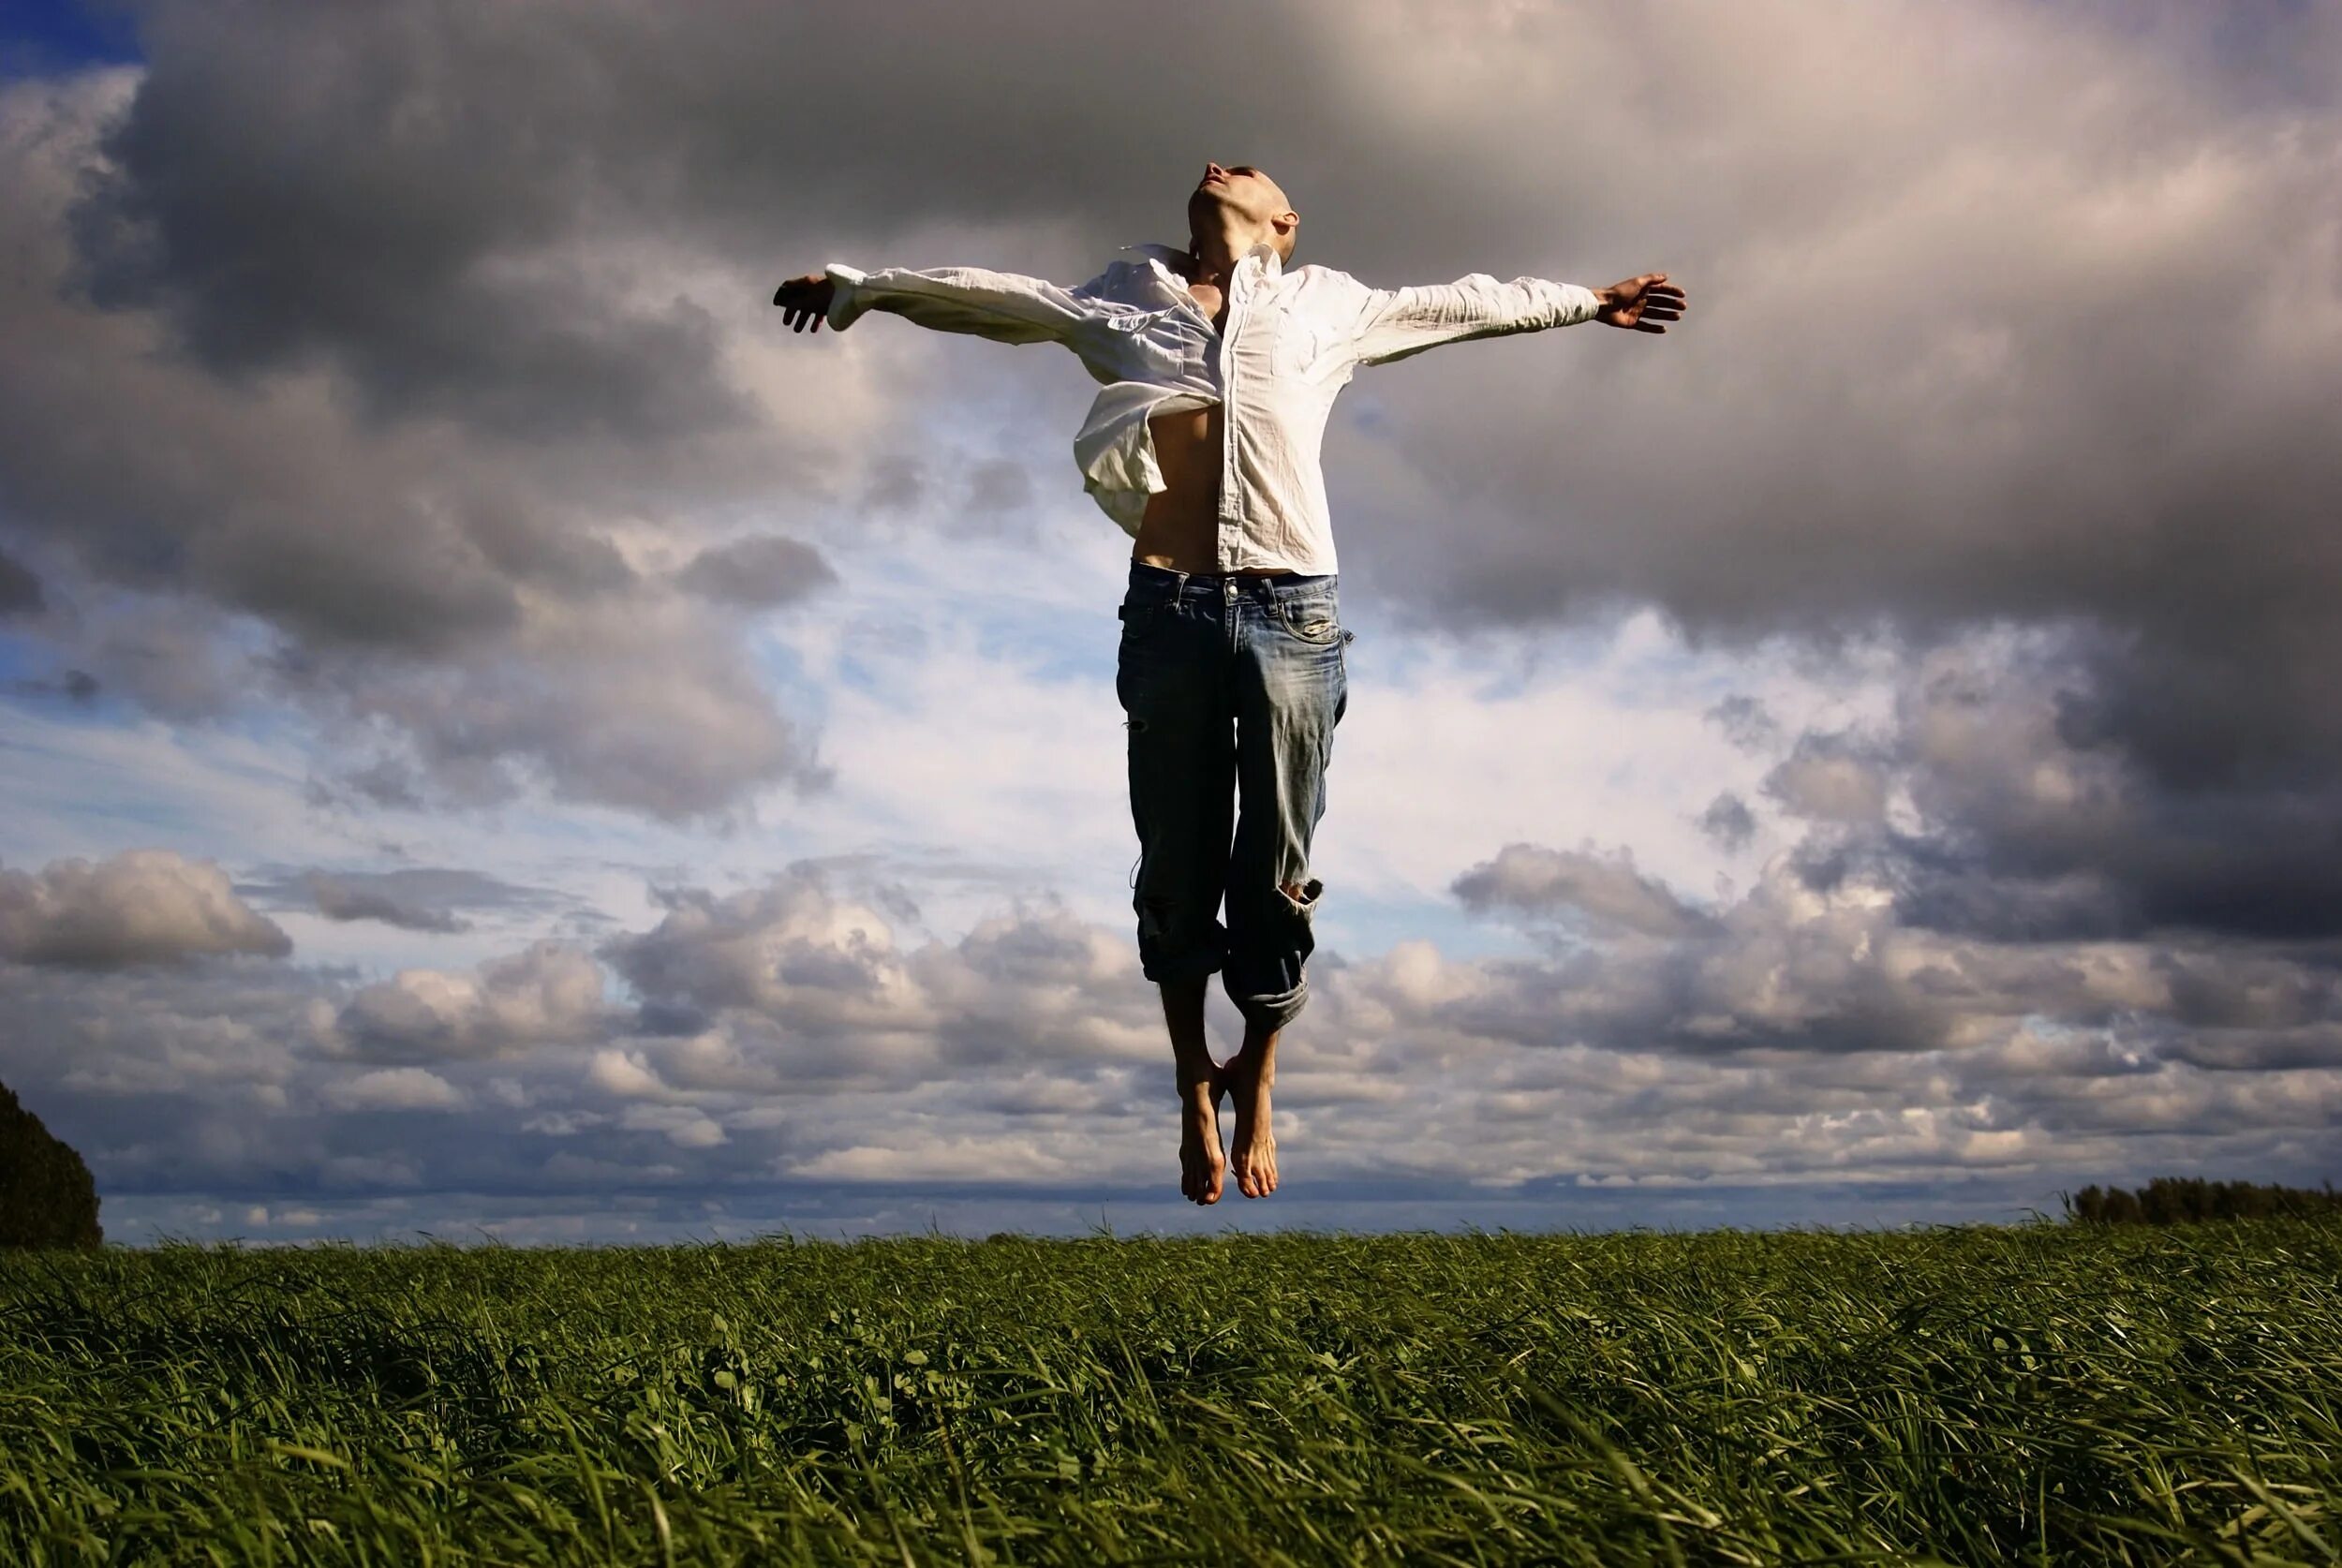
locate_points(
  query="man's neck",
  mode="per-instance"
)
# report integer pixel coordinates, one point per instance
(1211, 254)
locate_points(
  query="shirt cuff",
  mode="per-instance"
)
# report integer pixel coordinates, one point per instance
(844, 308)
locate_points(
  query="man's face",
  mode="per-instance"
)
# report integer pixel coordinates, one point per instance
(1242, 191)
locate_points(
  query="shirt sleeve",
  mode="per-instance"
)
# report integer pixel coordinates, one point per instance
(1392, 323)
(1005, 307)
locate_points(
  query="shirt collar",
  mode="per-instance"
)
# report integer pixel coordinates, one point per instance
(1169, 255)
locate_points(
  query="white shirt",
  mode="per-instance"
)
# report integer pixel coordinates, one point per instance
(1292, 342)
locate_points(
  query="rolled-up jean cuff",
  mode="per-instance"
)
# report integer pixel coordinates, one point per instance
(1273, 1013)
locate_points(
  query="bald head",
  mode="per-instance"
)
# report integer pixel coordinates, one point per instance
(1234, 207)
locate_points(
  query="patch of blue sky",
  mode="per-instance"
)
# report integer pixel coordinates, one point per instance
(56, 37)
(1055, 623)
(1361, 926)
(796, 689)
(28, 667)
(71, 784)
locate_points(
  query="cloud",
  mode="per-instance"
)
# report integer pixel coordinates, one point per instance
(552, 992)
(20, 590)
(1792, 1035)
(1728, 821)
(791, 985)
(464, 616)
(1605, 891)
(414, 898)
(395, 1088)
(403, 381)
(347, 898)
(759, 573)
(454, 397)
(1828, 778)
(1744, 719)
(139, 907)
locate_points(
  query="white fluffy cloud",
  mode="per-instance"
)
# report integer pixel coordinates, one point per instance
(394, 1088)
(552, 993)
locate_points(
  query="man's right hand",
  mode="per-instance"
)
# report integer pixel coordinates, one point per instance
(1641, 302)
(805, 301)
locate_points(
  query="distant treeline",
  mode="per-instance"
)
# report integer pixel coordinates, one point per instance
(46, 1197)
(2169, 1200)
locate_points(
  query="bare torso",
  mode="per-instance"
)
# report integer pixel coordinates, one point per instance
(1180, 527)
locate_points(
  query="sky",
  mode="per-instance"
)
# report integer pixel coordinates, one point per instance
(502, 738)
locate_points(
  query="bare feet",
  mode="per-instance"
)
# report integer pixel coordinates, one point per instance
(1252, 1155)
(1201, 1167)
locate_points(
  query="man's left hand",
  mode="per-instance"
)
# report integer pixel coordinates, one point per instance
(1641, 302)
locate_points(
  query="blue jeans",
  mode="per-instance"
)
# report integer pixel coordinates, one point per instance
(1202, 654)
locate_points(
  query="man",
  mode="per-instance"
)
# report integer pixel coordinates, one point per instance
(1219, 367)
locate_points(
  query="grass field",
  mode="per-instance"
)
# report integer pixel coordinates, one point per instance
(2043, 1394)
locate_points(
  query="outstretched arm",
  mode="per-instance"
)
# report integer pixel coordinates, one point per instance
(1394, 323)
(1005, 307)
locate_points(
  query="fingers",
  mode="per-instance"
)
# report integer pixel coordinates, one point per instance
(800, 304)
(800, 316)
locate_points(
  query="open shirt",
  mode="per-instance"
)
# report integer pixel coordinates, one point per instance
(1292, 342)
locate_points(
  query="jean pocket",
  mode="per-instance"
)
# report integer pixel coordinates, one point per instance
(1312, 621)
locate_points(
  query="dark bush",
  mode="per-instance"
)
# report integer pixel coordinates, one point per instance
(46, 1198)
(2171, 1200)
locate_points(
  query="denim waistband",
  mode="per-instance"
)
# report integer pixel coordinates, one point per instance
(1155, 583)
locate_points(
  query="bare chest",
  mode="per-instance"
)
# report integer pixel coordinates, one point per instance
(1215, 304)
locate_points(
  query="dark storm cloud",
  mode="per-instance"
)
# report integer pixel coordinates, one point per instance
(20, 590)
(404, 191)
(451, 607)
(1965, 883)
(758, 573)
(1967, 347)
(400, 190)
(1867, 421)
(2031, 831)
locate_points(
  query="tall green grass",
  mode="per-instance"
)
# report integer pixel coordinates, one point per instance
(2046, 1394)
